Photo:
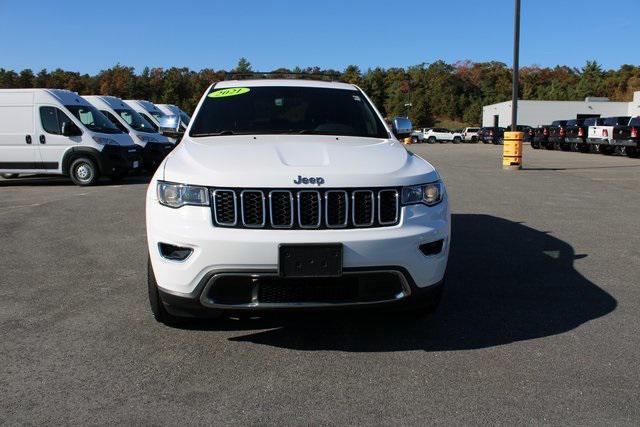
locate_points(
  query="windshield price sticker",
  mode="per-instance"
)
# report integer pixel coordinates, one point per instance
(232, 91)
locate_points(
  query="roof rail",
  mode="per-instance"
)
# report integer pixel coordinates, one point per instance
(243, 75)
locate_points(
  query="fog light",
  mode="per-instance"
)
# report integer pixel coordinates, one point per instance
(174, 253)
(432, 248)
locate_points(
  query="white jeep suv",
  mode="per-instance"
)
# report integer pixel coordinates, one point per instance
(293, 194)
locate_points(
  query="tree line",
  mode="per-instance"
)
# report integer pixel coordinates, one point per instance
(435, 91)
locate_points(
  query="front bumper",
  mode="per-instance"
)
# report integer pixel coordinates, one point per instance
(120, 159)
(219, 251)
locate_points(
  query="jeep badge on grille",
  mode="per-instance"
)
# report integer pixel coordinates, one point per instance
(318, 180)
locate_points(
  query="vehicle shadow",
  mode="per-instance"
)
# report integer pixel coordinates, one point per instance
(507, 282)
(61, 181)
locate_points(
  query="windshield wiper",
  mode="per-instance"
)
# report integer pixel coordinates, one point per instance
(221, 133)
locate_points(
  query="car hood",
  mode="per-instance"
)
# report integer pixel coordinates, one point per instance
(278, 160)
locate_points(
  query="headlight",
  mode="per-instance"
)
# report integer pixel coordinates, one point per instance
(177, 195)
(430, 194)
(105, 141)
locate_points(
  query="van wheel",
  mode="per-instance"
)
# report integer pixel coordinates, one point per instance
(431, 140)
(84, 171)
(10, 175)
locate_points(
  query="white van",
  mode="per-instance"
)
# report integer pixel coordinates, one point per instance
(166, 124)
(154, 145)
(174, 109)
(54, 131)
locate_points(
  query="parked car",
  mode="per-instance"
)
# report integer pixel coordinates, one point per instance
(600, 135)
(470, 135)
(576, 134)
(491, 135)
(233, 217)
(165, 124)
(153, 145)
(54, 131)
(628, 136)
(432, 135)
(556, 136)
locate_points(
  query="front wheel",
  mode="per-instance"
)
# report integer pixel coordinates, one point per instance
(10, 175)
(83, 171)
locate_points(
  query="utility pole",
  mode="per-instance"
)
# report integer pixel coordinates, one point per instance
(516, 66)
(512, 150)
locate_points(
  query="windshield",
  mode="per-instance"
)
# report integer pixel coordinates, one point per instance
(185, 118)
(135, 120)
(157, 114)
(93, 119)
(286, 110)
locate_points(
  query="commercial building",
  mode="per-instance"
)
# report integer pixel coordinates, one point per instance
(536, 113)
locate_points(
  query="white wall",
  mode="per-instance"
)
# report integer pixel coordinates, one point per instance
(536, 113)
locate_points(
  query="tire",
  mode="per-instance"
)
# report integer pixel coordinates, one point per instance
(607, 150)
(474, 139)
(633, 152)
(549, 146)
(431, 140)
(10, 175)
(414, 139)
(84, 172)
(426, 306)
(574, 147)
(457, 140)
(160, 313)
(556, 146)
(535, 145)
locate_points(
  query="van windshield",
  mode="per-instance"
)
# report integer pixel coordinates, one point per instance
(287, 110)
(135, 120)
(93, 119)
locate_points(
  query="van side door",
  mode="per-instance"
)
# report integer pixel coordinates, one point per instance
(18, 152)
(51, 143)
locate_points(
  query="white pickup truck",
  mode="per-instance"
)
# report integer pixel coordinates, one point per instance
(601, 134)
(433, 135)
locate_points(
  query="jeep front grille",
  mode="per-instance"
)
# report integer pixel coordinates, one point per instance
(305, 208)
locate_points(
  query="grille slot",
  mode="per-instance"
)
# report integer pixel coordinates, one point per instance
(281, 208)
(309, 209)
(252, 208)
(225, 211)
(336, 208)
(388, 207)
(305, 209)
(362, 208)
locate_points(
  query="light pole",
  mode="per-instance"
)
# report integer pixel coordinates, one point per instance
(408, 106)
(516, 66)
(512, 150)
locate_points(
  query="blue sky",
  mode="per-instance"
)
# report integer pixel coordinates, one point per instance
(88, 36)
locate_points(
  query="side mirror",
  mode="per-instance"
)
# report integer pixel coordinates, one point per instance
(70, 129)
(402, 127)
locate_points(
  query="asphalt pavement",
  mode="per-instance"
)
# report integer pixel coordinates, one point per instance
(539, 322)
